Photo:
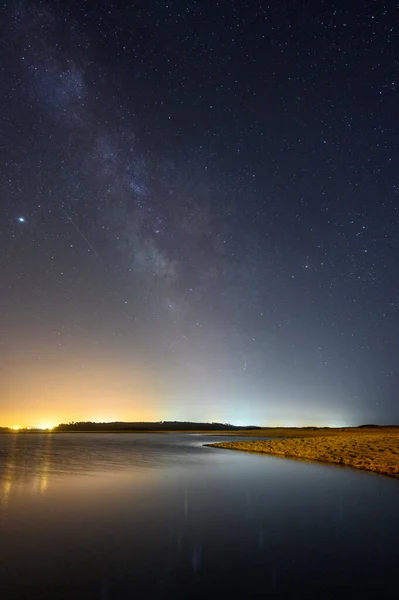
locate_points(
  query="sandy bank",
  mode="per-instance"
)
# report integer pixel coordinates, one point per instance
(378, 452)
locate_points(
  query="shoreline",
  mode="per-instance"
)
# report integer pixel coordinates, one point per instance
(263, 432)
(374, 452)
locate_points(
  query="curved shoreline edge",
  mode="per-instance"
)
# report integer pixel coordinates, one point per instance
(377, 453)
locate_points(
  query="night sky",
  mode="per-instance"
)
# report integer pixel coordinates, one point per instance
(199, 212)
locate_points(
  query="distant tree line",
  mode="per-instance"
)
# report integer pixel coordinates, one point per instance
(379, 426)
(149, 426)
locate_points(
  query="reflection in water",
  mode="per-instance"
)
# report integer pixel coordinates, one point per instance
(10, 467)
(248, 505)
(6, 491)
(160, 517)
(197, 556)
(14, 465)
(185, 503)
(44, 463)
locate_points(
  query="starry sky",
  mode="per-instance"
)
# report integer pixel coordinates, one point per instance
(200, 212)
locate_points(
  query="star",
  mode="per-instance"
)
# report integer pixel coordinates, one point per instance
(175, 229)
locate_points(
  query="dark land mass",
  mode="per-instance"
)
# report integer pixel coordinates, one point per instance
(136, 427)
(151, 426)
(191, 427)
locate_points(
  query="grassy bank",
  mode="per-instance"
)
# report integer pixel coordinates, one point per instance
(305, 432)
(376, 451)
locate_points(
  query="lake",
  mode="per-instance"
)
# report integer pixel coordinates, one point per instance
(159, 516)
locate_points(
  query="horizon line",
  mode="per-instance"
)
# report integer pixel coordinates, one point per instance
(193, 423)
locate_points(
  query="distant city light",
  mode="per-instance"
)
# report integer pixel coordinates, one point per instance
(41, 427)
(45, 426)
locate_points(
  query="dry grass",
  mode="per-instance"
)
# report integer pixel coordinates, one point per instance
(376, 451)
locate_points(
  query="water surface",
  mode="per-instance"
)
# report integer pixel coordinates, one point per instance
(115, 516)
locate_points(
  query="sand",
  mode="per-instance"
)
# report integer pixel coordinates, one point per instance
(376, 451)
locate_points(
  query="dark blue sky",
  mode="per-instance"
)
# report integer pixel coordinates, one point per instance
(200, 212)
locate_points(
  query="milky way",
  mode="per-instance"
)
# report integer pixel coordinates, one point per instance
(203, 199)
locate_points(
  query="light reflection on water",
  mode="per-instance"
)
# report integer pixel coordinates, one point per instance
(160, 516)
(14, 461)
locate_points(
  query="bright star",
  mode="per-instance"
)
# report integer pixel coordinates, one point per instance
(21, 219)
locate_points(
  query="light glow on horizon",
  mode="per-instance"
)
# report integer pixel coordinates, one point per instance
(62, 392)
(50, 426)
(41, 427)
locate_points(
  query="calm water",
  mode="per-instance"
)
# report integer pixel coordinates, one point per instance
(159, 516)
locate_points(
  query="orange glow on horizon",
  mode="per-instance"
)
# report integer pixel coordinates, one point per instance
(45, 426)
(45, 396)
(50, 426)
